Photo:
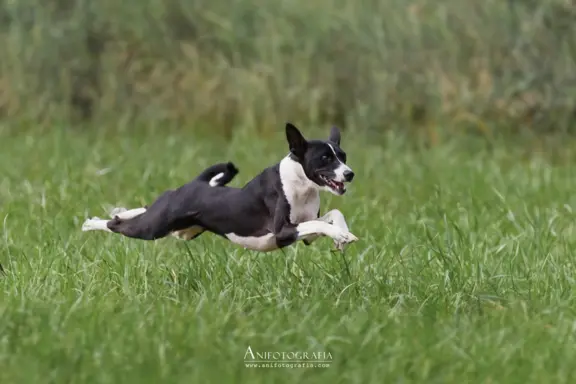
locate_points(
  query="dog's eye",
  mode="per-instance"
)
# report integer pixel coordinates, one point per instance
(325, 157)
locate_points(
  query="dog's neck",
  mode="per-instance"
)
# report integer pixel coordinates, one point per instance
(294, 179)
(301, 193)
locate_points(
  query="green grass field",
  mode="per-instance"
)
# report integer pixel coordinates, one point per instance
(464, 271)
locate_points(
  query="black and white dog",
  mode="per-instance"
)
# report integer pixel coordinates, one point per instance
(277, 208)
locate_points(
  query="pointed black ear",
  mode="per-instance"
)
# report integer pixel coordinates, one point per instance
(296, 141)
(335, 135)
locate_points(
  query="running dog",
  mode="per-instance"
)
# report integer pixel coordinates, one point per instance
(277, 208)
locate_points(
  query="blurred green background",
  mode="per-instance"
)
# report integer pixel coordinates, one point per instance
(425, 67)
(464, 269)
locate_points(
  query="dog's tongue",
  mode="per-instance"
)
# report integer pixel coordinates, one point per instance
(338, 185)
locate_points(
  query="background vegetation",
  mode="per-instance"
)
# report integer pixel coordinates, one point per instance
(484, 66)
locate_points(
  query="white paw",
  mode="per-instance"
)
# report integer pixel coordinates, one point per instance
(117, 211)
(342, 238)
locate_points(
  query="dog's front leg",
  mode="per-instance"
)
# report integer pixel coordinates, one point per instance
(316, 228)
(336, 218)
(287, 233)
(313, 229)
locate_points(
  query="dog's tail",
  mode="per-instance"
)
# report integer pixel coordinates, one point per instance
(218, 175)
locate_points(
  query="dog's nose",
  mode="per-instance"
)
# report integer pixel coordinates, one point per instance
(348, 175)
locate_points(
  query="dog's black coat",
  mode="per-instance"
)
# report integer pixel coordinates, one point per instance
(257, 209)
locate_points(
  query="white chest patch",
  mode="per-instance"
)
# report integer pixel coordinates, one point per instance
(302, 194)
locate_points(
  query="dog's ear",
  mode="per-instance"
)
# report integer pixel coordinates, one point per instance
(296, 141)
(335, 135)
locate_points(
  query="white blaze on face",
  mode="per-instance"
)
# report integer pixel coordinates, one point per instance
(341, 169)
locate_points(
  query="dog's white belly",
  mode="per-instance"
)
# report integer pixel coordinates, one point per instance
(263, 243)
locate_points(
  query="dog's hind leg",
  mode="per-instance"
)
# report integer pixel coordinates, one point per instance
(139, 227)
(133, 223)
(126, 214)
(95, 224)
(189, 233)
(139, 223)
(130, 228)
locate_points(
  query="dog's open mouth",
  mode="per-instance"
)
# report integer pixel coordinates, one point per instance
(336, 186)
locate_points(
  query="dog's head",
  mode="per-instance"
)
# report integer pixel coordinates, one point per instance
(323, 161)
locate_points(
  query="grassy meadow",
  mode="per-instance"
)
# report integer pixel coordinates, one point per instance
(464, 271)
